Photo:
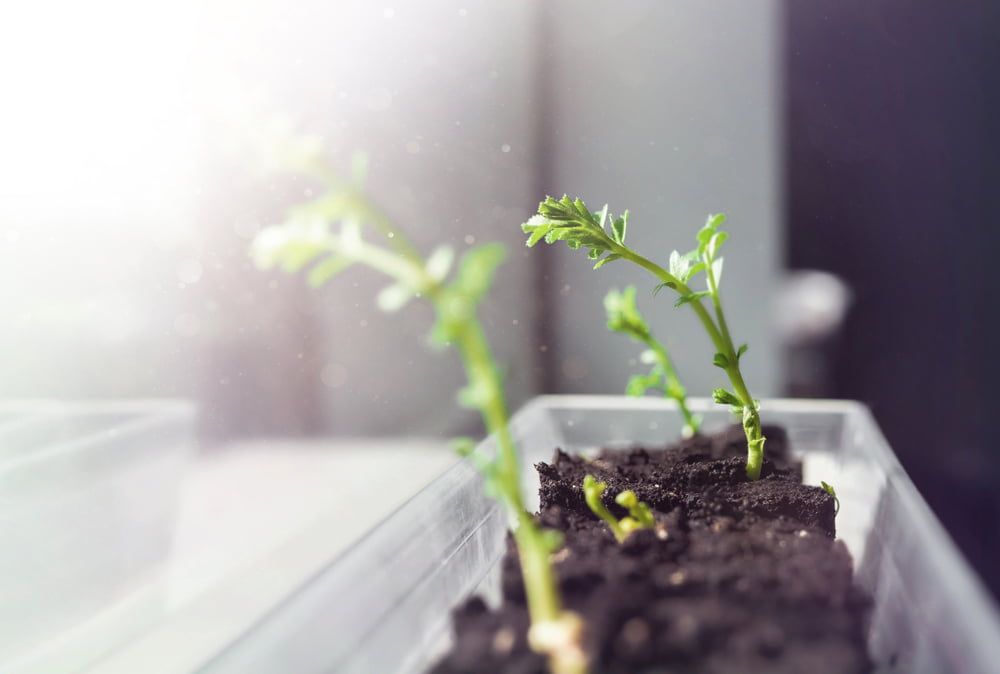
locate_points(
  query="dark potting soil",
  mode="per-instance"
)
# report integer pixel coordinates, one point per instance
(737, 577)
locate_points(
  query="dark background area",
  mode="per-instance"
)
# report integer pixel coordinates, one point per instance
(893, 161)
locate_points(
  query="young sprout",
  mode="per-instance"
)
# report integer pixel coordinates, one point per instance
(640, 516)
(307, 239)
(603, 236)
(624, 317)
(828, 488)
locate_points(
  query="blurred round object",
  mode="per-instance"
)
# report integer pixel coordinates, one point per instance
(811, 306)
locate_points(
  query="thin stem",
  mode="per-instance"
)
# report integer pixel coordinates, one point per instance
(553, 630)
(368, 211)
(672, 386)
(383, 225)
(723, 343)
(751, 418)
(539, 580)
(408, 272)
(675, 283)
(729, 350)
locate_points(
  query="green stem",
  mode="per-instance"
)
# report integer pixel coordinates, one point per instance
(366, 209)
(536, 568)
(539, 580)
(723, 344)
(673, 387)
(751, 418)
(680, 287)
(410, 273)
(384, 225)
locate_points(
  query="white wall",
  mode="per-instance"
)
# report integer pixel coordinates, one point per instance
(673, 111)
(452, 157)
(128, 202)
(443, 105)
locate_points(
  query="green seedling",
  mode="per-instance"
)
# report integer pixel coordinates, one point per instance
(307, 241)
(624, 317)
(640, 516)
(603, 235)
(828, 488)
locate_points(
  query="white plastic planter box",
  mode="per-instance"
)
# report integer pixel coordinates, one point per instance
(384, 606)
(87, 498)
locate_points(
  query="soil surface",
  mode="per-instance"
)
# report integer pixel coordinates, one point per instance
(737, 577)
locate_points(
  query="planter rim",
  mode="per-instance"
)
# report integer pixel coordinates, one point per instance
(942, 547)
(419, 559)
(699, 403)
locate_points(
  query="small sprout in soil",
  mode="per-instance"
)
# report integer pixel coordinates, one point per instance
(828, 488)
(640, 516)
(637, 510)
(603, 235)
(308, 239)
(624, 317)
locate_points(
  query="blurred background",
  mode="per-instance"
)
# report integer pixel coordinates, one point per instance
(854, 145)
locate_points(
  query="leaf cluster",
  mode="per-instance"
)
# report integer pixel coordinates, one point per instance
(306, 239)
(571, 221)
(624, 316)
(657, 378)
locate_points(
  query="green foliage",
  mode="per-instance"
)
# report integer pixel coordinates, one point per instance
(640, 516)
(457, 301)
(724, 397)
(325, 236)
(624, 317)
(571, 221)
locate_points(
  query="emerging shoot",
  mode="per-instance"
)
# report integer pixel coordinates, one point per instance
(603, 236)
(640, 516)
(307, 239)
(624, 317)
(828, 488)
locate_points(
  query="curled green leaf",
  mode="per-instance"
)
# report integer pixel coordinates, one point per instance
(592, 493)
(661, 286)
(724, 397)
(637, 510)
(611, 257)
(640, 516)
(691, 297)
